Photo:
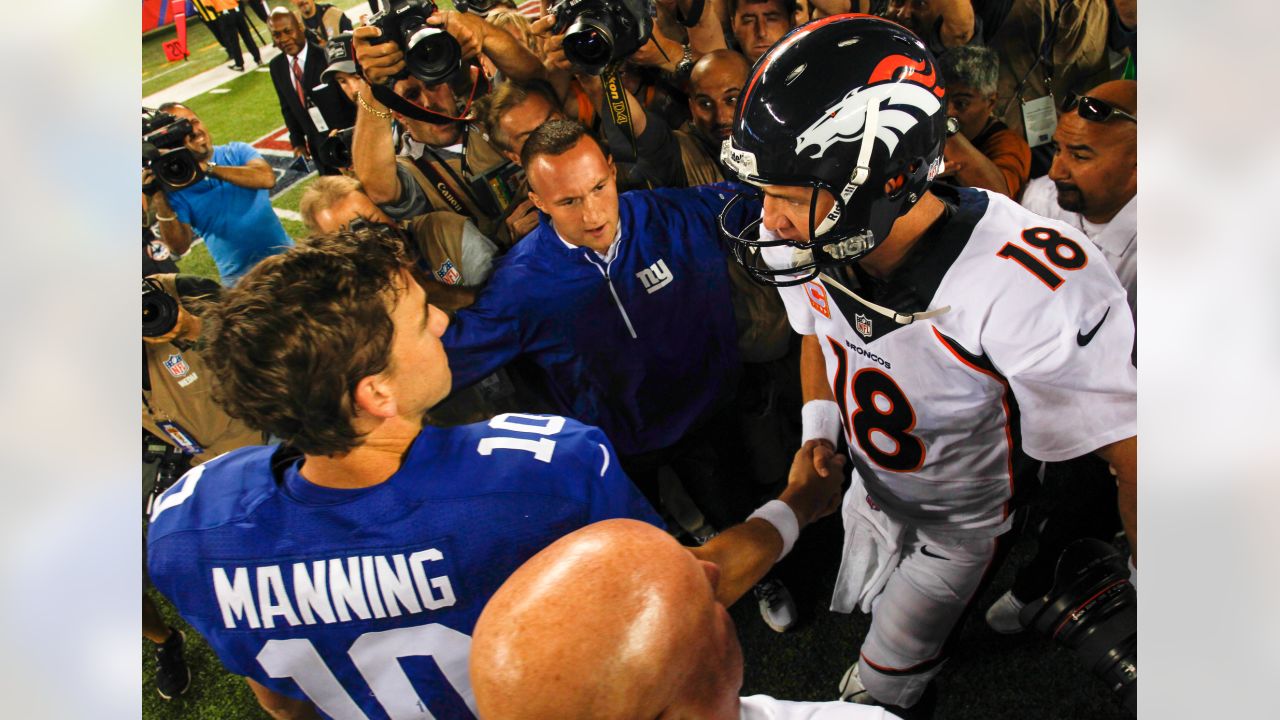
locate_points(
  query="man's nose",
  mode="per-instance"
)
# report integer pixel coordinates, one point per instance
(774, 219)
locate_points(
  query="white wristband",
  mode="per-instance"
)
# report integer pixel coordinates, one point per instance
(820, 420)
(783, 519)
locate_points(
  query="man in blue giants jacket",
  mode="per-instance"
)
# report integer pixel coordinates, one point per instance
(623, 302)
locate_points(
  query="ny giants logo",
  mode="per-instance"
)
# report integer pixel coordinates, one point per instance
(905, 92)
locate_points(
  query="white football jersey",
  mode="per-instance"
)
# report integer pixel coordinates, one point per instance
(1032, 357)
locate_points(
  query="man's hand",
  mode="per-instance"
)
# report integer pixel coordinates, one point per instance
(149, 178)
(379, 62)
(522, 220)
(814, 493)
(468, 30)
(553, 57)
(303, 151)
(825, 459)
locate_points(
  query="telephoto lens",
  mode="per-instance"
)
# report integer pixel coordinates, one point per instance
(159, 309)
(335, 151)
(1093, 610)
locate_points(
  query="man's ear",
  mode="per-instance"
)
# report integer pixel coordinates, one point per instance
(374, 396)
(537, 201)
(514, 158)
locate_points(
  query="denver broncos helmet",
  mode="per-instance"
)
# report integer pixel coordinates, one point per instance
(851, 104)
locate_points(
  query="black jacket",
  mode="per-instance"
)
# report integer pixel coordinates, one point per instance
(301, 130)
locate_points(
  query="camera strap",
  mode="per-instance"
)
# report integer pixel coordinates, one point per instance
(615, 99)
(389, 97)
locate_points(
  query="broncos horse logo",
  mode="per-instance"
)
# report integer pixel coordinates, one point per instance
(904, 99)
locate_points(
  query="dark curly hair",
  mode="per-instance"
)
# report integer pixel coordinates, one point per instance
(291, 340)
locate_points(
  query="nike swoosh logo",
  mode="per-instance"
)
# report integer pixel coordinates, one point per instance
(925, 549)
(1083, 339)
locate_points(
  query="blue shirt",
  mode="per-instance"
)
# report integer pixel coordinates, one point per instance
(363, 600)
(643, 345)
(238, 224)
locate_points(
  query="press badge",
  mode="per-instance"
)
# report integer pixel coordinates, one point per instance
(180, 437)
(1039, 120)
(317, 118)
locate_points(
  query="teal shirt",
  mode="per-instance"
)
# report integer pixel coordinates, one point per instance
(238, 224)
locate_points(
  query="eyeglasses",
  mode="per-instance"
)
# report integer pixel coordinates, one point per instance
(1093, 109)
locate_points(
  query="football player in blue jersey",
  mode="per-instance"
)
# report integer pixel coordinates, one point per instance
(342, 571)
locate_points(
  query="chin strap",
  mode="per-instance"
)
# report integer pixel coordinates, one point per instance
(897, 317)
(861, 171)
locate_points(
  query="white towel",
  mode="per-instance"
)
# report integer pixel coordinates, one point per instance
(872, 549)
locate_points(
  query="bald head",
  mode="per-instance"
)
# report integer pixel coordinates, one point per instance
(615, 620)
(1095, 168)
(715, 83)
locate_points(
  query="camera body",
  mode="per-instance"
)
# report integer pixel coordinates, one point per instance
(340, 115)
(599, 33)
(430, 53)
(475, 7)
(159, 309)
(164, 151)
(1093, 610)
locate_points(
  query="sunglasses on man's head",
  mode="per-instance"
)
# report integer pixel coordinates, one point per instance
(1093, 109)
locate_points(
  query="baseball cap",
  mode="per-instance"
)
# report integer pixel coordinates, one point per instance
(341, 57)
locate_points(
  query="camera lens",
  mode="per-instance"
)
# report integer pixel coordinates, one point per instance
(335, 151)
(159, 311)
(1093, 610)
(432, 54)
(177, 168)
(588, 43)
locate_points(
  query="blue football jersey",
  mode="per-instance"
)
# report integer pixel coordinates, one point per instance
(363, 601)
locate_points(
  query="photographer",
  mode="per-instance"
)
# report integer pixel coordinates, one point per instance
(447, 245)
(228, 205)
(442, 166)
(177, 407)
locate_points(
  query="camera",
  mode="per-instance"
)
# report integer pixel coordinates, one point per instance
(164, 151)
(162, 466)
(598, 33)
(335, 150)
(475, 7)
(338, 114)
(1092, 609)
(159, 309)
(430, 53)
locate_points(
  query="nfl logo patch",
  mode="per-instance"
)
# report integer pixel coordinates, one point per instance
(862, 324)
(448, 274)
(177, 366)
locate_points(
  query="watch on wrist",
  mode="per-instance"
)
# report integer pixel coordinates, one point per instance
(685, 66)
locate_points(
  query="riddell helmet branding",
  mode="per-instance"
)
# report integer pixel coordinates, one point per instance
(907, 104)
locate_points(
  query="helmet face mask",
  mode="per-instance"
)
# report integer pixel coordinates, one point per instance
(871, 136)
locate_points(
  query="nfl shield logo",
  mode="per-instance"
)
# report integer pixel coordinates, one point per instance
(177, 366)
(862, 324)
(448, 274)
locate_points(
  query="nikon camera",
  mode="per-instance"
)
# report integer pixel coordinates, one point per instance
(164, 150)
(599, 33)
(430, 53)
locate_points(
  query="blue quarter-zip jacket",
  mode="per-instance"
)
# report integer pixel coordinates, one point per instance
(643, 358)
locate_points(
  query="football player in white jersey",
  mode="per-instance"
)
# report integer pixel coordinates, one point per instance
(952, 337)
